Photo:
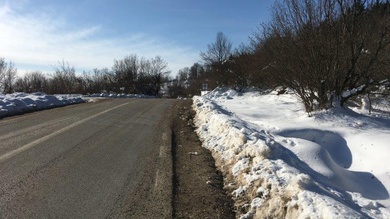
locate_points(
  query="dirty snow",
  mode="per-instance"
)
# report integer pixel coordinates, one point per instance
(280, 163)
(18, 103)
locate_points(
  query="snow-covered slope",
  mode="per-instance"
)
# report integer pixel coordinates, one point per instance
(17, 103)
(280, 163)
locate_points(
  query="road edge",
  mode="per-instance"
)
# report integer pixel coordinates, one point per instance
(163, 189)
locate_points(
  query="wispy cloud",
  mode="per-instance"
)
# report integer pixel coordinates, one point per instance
(42, 39)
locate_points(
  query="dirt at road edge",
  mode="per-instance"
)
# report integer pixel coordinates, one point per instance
(197, 184)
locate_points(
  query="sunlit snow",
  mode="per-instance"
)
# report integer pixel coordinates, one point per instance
(18, 103)
(281, 163)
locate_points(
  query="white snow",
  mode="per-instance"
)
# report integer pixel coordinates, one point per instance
(280, 163)
(108, 95)
(18, 103)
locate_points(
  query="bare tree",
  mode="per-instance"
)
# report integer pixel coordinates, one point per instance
(32, 82)
(7, 76)
(216, 58)
(158, 71)
(100, 80)
(64, 79)
(177, 86)
(196, 70)
(183, 76)
(126, 72)
(219, 51)
(326, 50)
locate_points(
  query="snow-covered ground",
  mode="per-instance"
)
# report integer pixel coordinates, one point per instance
(108, 95)
(280, 163)
(18, 103)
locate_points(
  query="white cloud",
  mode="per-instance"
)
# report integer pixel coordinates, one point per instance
(4, 10)
(42, 39)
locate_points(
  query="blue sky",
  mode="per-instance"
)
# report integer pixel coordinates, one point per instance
(36, 34)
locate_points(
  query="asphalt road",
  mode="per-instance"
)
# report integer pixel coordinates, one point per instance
(106, 159)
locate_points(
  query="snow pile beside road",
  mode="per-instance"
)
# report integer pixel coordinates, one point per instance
(108, 95)
(18, 103)
(280, 163)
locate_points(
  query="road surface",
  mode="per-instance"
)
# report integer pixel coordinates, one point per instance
(106, 159)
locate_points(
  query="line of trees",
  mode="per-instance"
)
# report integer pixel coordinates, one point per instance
(325, 51)
(130, 74)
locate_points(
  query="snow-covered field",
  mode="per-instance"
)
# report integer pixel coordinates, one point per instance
(18, 103)
(280, 163)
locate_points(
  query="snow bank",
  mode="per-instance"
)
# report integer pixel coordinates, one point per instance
(18, 103)
(108, 95)
(280, 163)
